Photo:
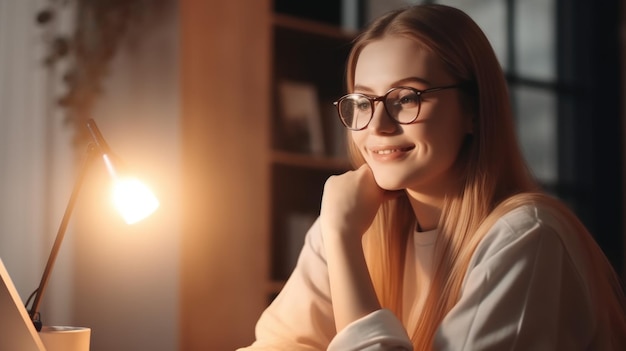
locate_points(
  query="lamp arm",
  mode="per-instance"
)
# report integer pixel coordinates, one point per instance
(97, 137)
(34, 310)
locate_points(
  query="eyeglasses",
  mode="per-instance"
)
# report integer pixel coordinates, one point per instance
(401, 103)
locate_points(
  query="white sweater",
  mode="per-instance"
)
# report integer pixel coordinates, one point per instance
(524, 290)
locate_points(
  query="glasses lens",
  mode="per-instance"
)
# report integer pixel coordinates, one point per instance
(403, 105)
(355, 110)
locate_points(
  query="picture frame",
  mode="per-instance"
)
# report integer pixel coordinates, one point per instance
(300, 117)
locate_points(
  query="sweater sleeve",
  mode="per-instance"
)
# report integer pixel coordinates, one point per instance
(377, 331)
(301, 316)
(523, 291)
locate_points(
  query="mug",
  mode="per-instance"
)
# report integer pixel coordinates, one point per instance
(62, 338)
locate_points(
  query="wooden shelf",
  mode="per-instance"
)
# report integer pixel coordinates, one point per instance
(314, 53)
(311, 27)
(309, 161)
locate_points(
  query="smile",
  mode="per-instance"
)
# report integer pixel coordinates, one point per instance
(391, 151)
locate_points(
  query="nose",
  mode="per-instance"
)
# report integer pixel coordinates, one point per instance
(381, 121)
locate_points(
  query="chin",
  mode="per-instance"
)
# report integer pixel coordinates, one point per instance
(386, 182)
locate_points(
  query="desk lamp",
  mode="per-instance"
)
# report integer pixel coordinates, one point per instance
(133, 200)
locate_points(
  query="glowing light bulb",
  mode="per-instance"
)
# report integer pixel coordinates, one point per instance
(133, 200)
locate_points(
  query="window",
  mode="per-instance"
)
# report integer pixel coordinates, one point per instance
(522, 34)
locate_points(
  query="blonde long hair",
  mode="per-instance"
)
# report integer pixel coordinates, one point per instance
(494, 177)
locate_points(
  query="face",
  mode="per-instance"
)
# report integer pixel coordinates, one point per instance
(417, 156)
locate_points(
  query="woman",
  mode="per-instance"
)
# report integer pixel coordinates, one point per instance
(440, 238)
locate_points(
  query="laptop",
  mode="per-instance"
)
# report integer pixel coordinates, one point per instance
(17, 332)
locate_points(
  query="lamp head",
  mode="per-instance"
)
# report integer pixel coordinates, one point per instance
(131, 198)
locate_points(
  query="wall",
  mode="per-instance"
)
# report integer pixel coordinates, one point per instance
(120, 281)
(36, 158)
(126, 277)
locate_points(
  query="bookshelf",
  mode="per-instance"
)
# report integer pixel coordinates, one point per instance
(243, 184)
(312, 53)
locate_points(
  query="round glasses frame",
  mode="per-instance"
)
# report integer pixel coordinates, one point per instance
(384, 99)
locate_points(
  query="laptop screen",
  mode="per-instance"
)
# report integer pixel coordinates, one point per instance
(17, 331)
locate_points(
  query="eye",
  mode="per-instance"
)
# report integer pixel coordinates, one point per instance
(362, 104)
(407, 98)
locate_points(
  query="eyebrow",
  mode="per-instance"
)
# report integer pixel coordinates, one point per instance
(396, 83)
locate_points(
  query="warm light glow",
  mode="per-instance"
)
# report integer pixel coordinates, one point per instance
(133, 200)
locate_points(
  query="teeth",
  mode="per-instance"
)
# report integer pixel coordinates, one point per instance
(385, 152)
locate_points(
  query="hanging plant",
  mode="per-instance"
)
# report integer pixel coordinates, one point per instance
(100, 27)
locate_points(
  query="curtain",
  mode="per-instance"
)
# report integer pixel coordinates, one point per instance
(36, 162)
